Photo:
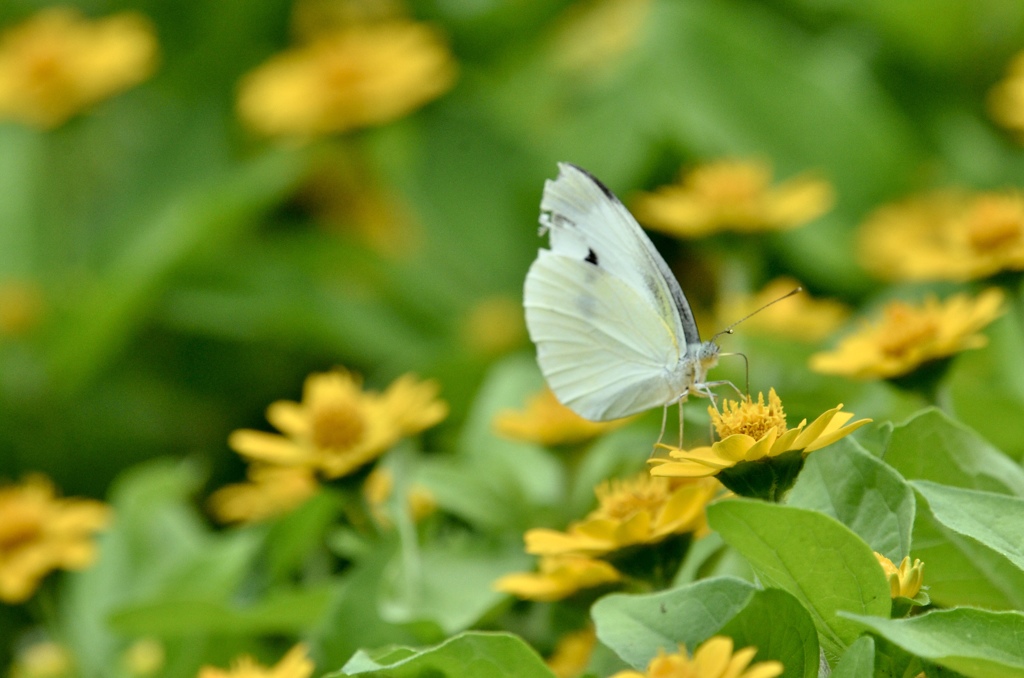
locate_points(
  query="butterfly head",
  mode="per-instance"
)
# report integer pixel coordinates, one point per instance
(706, 354)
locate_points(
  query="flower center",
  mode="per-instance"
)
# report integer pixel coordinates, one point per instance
(904, 329)
(749, 418)
(995, 223)
(21, 525)
(338, 427)
(731, 184)
(621, 499)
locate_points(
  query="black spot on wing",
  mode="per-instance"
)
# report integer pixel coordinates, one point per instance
(591, 257)
(604, 189)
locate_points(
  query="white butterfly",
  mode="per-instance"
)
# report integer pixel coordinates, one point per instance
(614, 332)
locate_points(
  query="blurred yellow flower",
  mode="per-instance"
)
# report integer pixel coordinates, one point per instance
(904, 581)
(315, 17)
(271, 491)
(494, 325)
(368, 74)
(21, 307)
(1006, 99)
(714, 658)
(295, 664)
(338, 427)
(641, 510)
(558, 578)
(572, 654)
(144, 657)
(378, 489)
(799, 317)
(750, 431)
(907, 336)
(548, 422)
(414, 404)
(40, 533)
(45, 659)
(732, 195)
(57, 63)
(592, 34)
(945, 236)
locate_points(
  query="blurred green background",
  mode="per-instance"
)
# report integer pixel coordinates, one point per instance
(191, 272)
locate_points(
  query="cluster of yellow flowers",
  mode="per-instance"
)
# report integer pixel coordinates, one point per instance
(336, 429)
(367, 71)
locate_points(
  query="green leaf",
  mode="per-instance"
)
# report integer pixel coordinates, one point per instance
(779, 627)
(970, 544)
(288, 612)
(818, 560)
(495, 483)
(448, 581)
(468, 655)
(931, 446)
(637, 626)
(976, 643)
(858, 660)
(960, 570)
(993, 519)
(863, 493)
(353, 618)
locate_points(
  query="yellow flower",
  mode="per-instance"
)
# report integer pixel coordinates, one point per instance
(799, 317)
(378, 488)
(642, 510)
(368, 74)
(57, 63)
(593, 34)
(271, 491)
(904, 581)
(295, 664)
(945, 236)
(713, 659)
(559, 577)
(572, 654)
(548, 422)
(494, 325)
(908, 336)
(40, 533)
(1006, 100)
(338, 427)
(732, 195)
(144, 657)
(750, 431)
(45, 659)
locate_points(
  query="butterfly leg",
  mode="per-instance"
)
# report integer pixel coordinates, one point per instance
(681, 422)
(664, 420)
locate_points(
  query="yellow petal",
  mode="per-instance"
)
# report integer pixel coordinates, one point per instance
(268, 447)
(817, 427)
(733, 448)
(686, 469)
(832, 436)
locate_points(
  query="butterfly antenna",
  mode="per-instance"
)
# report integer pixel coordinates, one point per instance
(729, 329)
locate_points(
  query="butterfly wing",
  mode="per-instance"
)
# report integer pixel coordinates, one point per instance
(586, 219)
(602, 347)
(610, 322)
